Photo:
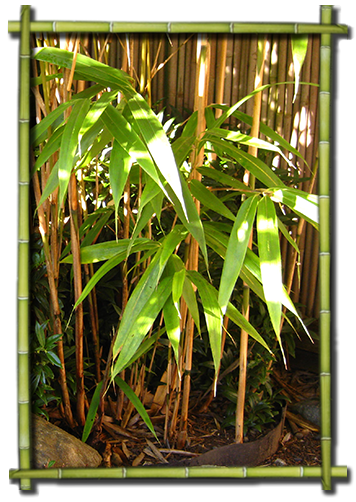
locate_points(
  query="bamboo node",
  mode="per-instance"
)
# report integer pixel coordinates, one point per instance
(324, 311)
(59, 473)
(25, 56)
(186, 472)
(301, 471)
(54, 26)
(326, 438)
(296, 28)
(169, 27)
(231, 27)
(111, 26)
(124, 472)
(324, 373)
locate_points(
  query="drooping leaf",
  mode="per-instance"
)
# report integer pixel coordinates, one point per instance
(119, 169)
(236, 249)
(93, 408)
(209, 199)
(253, 164)
(270, 261)
(69, 145)
(86, 68)
(157, 143)
(145, 288)
(172, 323)
(132, 333)
(302, 203)
(212, 314)
(136, 402)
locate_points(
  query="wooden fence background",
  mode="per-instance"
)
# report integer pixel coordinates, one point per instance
(171, 60)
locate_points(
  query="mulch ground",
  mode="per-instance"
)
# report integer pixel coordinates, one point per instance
(135, 445)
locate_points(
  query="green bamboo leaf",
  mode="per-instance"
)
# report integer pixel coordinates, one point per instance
(93, 408)
(270, 261)
(240, 320)
(119, 169)
(253, 164)
(209, 199)
(51, 185)
(136, 402)
(236, 249)
(109, 249)
(96, 110)
(122, 131)
(244, 139)
(267, 131)
(112, 262)
(177, 286)
(86, 68)
(194, 223)
(39, 132)
(131, 334)
(302, 203)
(223, 178)
(212, 314)
(299, 51)
(157, 143)
(69, 145)
(38, 80)
(51, 146)
(145, 288)
(172, 323)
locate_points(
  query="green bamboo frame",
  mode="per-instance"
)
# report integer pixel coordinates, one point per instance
(326, 472)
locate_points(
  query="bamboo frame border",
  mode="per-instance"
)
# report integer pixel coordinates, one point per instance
(326, 471)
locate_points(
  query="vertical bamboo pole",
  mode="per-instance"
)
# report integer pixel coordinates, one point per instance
(201, 92)
(249, 180)
(24, 400)
(324, 250)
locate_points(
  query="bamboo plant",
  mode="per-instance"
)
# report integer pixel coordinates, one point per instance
(24, 398)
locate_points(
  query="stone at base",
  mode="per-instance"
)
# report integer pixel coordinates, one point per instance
(52, 444)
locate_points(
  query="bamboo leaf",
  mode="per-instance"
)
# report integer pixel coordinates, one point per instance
(223, 178)
(236, 249)
(93, 408)
(270, 261)
(212, 314)
(119, 169)
(253, 164)
(69, 144)
(51, 185)
(122, 131)
(86, 68)
(96, 110)
(131, 334)
(172, 323)
(157, 143)
(299, 51)
(145, 288)
(209, 200)
(302, 203)
(109, 249)
(136, 402)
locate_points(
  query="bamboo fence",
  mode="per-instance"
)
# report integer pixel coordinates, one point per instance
(175, 44)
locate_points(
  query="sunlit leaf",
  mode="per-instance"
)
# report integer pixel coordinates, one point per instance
(172, 323)
(236, 249)
(119, 169)
(270, 261)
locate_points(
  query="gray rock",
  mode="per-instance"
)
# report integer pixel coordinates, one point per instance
(309, 409)
(52, 444)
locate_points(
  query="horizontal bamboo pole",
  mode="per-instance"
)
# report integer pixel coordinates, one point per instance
(178, 472)
(176, 27)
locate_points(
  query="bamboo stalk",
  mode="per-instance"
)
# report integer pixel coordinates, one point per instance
(146, 472)
(201, 93)
(249, 180)
(324, 253)
(175, 27)
(24, 399)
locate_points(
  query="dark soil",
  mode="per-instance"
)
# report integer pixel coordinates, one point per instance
(135, 445)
